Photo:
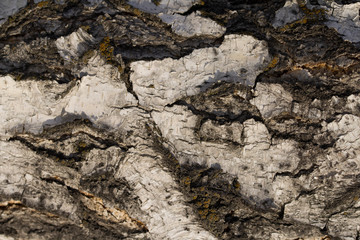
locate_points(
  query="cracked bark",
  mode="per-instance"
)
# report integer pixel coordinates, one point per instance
(179, 120)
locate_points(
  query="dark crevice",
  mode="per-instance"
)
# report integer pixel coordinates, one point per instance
(107, 142)
(68, 160)
(221, 119)
(226, 141)
(328, 145)
(230, 218)
(282, 211)
(193, 8)
(4, 220)
(345, 2)
(129, 85)
(176, 50)
(304, 193)
(306, 171)
(294, 136)
(283, 174)
(311, 89)
(68, 130)
(248, 27)
(324, 230)
(45, 151)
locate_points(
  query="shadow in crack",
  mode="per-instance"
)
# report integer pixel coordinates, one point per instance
(228, 76)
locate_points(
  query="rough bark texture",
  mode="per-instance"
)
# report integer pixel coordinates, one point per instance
(180, 119)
